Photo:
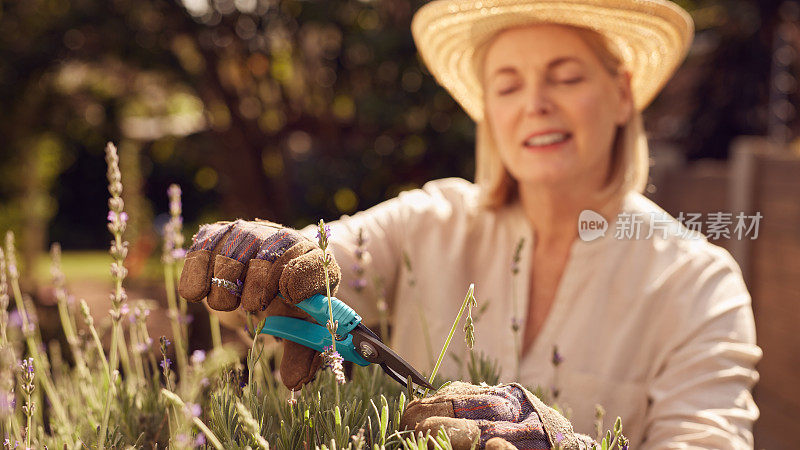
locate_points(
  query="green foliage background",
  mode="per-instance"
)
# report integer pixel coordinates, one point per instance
(285, 109)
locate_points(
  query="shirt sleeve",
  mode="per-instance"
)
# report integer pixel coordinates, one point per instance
(700, 396)
(370, 272)
(369, 269)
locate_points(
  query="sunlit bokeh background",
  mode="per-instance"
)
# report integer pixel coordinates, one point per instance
(299, 110)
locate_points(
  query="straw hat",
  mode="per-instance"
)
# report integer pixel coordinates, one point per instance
(651, 36)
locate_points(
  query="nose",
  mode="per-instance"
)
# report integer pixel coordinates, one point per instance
(538, 101)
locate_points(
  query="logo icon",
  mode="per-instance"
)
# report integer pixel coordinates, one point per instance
(591, 225)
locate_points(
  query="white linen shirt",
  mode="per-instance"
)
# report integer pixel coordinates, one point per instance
(658, 330)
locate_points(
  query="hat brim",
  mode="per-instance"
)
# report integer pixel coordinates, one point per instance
(652, 37)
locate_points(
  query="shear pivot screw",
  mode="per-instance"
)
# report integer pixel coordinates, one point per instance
(367, 351)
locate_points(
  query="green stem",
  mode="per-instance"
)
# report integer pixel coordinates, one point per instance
(426, 333)
(216, 334)
(330, 313)
(252, 358)
(450, 336)
(69, 332)
(515, 326)
(100, 351)
(175, 316)
(110, 392)
(13, 427)
(28, 429)
(124, 358)
(177, 403)
(137, 360)
(183, 308)
(40, 361)
(209, 434)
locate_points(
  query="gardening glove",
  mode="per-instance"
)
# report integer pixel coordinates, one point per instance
(251, 263)
(499, 417)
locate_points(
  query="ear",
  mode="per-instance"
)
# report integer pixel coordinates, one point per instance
(623, 82)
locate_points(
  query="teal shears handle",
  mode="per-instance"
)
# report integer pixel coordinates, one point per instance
(316, 336)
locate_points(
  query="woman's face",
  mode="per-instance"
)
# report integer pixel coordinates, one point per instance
(552, 107)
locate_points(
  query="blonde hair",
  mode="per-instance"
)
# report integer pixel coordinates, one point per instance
(629, 156)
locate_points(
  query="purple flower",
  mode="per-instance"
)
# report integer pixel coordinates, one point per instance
(15, 319)
(198, 356)
(6, 403)
(333, 359)
(557, 358)
(125, 309)
(182, 439)
(327, 233)
(359, 284)
(26, 364)
(193, 409)
(174, 194)
(179, 253)
(165, 363)
(200, 440)
(123, 216)
(555, 391)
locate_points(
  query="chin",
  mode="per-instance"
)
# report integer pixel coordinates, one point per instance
(542, 172)
(542, 178)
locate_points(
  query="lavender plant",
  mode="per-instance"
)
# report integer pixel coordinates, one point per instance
(129, 396)
(515, 319)
(3, 300)
(330, 356)
(117, 219)
(469, 301)
(172, 251)
(27, 387)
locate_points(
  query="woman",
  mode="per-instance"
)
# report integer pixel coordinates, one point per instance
(657, 327)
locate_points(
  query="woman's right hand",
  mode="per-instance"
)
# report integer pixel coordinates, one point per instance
(249, 263)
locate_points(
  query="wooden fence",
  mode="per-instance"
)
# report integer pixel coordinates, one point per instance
(758, 178)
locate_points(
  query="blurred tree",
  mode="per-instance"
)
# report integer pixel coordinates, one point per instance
(285, 109)
(722, 89)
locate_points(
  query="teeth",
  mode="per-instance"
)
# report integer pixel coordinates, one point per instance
(546, 139)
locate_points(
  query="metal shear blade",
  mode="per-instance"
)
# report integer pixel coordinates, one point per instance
(371, 348)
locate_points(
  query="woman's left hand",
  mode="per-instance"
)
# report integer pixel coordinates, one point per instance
(497, 417)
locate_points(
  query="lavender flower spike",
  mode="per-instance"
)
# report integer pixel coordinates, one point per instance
(334, 360)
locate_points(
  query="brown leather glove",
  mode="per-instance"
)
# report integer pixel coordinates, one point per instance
(496, 417)
(249, 263)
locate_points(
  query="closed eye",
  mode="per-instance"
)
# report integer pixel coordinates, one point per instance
(571, 80)
(507, 90)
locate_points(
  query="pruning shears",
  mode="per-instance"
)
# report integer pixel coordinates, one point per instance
(354, 341)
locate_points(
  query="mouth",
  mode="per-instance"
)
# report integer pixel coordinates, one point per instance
(546, 141)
